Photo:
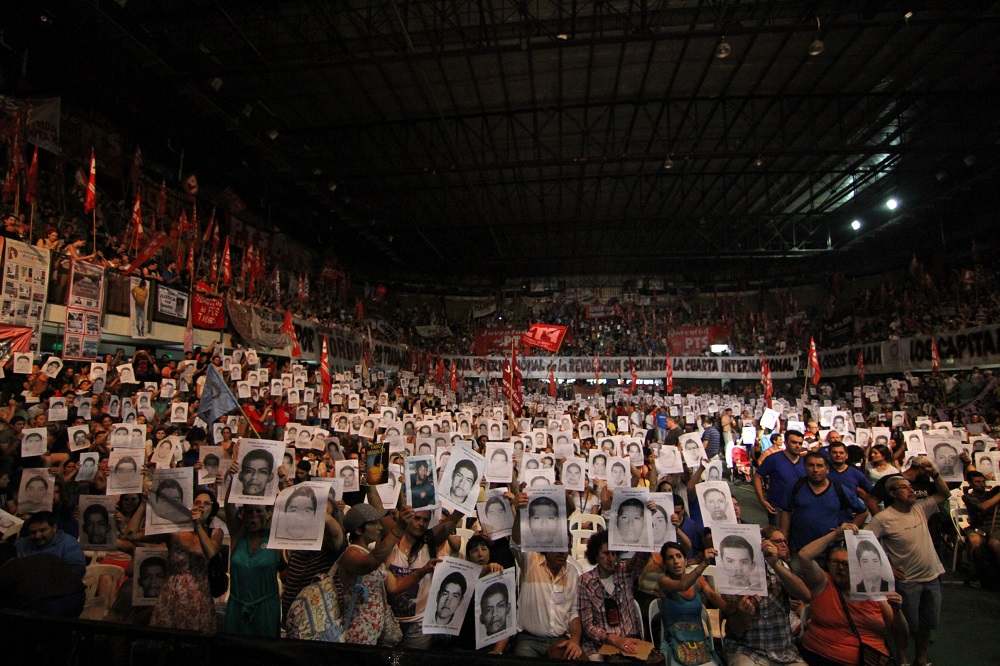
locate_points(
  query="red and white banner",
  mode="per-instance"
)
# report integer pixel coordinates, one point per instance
(490, 340)
(206, 312)
(688, 340)
(545, 336)
(602, 311)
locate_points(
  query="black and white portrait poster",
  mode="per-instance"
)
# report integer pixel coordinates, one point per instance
(496, 608)
(452, 588)
(619, 473)
(543, 522)
(459, 485)
(34, 442)
(79, 440)
(299, 517)
(87, 469)
(693, 451)
(914, 440)
(716, 503)
(662, 526)
(124, 471)
(630, 523)
(168, 510)
(539, 477)
(869, 568)
(347, 471)
(421, 489)
(389, 491)
(52, 367)
(149, 566)
(495, 515)
(9, 524)
(574, 474)
(986, 462)
(945, 450)
(713, 471)
(499, 462)
(669, 460)
(126, 373)
(211, 458)
(179, 412)
(22, 364)
(256, 482)
(98, 530)
(740, 563)
(36, 491)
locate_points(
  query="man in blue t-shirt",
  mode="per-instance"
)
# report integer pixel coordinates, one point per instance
(817, 506)
(781, 469)
(711, 438)
(851, 479)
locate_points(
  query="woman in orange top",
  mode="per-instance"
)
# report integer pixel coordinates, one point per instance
(829, 638)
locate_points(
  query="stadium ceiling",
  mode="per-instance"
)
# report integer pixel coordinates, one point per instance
(499, 138)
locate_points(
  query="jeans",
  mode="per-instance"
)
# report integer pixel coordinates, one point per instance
(921, 603)
(414, 637)
(530, 645)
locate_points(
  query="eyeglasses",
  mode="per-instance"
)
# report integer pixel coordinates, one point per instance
(778, 540)
(838, 563)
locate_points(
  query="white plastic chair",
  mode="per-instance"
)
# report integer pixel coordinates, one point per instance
(463, 533)
(95, 606)
(654, 620)
(580, 537)
(960, 519)
(638, 612)
(578, 519)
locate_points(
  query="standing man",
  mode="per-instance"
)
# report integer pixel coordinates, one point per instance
(816, 505)
(851, 479)
(711, 438)
(902, 528)
(782, 470)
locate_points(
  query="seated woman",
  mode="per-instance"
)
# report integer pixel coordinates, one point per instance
(831, 637)
(684, 641)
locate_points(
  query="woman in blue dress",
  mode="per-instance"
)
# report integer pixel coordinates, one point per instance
(683, 640)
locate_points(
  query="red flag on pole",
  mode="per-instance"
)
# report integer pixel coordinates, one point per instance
(324, 373)
(90, 201)
(765, 380)
(136, 237)
(935, 357)
(635, 377)
(227, 268)
(670, 375)
(597, 369)
(148, 250)
(439, 371)
(861, 366)
(31, 192)
(208, 230)
(190, 261)
(814, 361)
(454, 378)
(213, 272)
(552, 381)
(288, 328)
(544, 336)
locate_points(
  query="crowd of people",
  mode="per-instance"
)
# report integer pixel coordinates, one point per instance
(96, 458)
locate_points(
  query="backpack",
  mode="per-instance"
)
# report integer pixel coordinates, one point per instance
(315, 615)
(845, 504)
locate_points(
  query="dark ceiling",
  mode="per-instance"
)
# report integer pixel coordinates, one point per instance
(490, 139)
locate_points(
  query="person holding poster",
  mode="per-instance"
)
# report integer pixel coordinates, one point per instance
(683, 636)
(254, 607)
(840, 625)
(871, 575)
(255, 478)
(494, 608)
(543, 526)
(451, 585)
(630, 525)
(740, 567)
(299, 517)
(461, 478)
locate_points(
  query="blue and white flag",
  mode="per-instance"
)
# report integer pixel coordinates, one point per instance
(216, 398)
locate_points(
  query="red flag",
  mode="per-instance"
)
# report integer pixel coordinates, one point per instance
(136, 221)
(213, 269)
(670, 375)
(552, 381)
(227, 268)
(148, 250)
(161, 205)
(597, 369)
(90, 201)
(190, 261)
(288, 328)
(545, 336)
(635, 377)
(324, 373)
(814, 361)
(31, 192)
(454, 378)
(935, 357)
(861, 366)
(765, 380)
(439, 371)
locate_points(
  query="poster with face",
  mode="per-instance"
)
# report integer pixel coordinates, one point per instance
(881, 435)
(388, 492)
(97, 524)
(256, 482)
(57, 409)
(88, 466)
(179, 412)
(303, 437)
(150, 567)
(869, 569)
(630, 526)
(168, 509)
(862, 437)
(79, 439)
(451, 592)
(693, 451)
(540, 477)
(663, 529)
(52, 367)
(22, 364)
(574, 474)
(543, 523)
(713, 471)
(36, 491)
(740, 563)
(499, 462)
(914, 440)
(124, 471)
(987, 462)
(34, 442)
(211, 458)
(495, 608)
(598, 464)
(619, 473)
(459, 484)
(716, 503)
(669, 460)
(495, 515)
(9, 524)
(299, 517)
(126, 374)
(632, 449)
(347, 471)
(944, 451)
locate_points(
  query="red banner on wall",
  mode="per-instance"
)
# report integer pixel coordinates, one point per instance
(206, 312)
(546, 336)
(489, 340)
(602, 311)
(693, 340)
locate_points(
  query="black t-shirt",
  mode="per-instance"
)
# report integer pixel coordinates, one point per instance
(922, 488)
(673, 436)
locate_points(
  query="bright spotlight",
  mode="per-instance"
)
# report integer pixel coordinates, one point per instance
(891, 204)
(856, 224)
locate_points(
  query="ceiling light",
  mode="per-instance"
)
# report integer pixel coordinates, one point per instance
(272, 134)
(247, 110)
(333, 186)
(816, 46)
(969, 160)
(759, 162)
(723, 49)
(856, 224)
(216, 83)
(668, 163)
(891, 204)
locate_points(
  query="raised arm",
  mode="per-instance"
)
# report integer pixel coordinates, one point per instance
(812, 574)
